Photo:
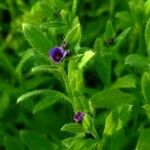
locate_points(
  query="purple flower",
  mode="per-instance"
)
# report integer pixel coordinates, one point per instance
(78, 117)
(57, 54)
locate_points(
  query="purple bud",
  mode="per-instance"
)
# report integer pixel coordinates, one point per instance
(57, 54)
(78, 117)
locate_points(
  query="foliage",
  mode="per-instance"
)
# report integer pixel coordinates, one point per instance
(106, 75)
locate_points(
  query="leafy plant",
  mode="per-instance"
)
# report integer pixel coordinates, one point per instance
(74, 75)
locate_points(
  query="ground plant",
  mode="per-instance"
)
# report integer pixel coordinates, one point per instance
(74, 74)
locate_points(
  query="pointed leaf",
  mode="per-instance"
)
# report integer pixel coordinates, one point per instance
(37, 39)
(53, 97)
(31, 94)
(73, 128)
(109, 32)
(117, 119)
(87, 122)
(73, 36)
(110, 124)
(86, 57)
(120, 39)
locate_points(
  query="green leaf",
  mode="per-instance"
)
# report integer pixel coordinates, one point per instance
(52, 24)
(124, 113)
(37, 39)
(120, 39)
(110, 124)
(86, 57)
(135, 60)
(117, 119)
(125, 19)
(109, 32)
(74, 7)
(147, 110)
(145, 83)
(144, 140)
(83, 144)
(127, 81)
(12, 143)
(110, 98)
(75, 75)
(73, 128)
(26, 56)
(48, 69)
(31, 94)
(73, 64)
(87, 122)
(103, 66)
(44, 68)
(147, 36)
(47, 10)
(147, 7)
(80, 102)
(70, 141)
(73, 36)
(103, 61)
(34, 140)
(53, 97)
(76, 81)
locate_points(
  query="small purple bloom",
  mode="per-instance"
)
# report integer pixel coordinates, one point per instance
(57, 54)
(78, 117)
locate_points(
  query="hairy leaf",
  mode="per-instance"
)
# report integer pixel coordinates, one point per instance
(73, 36)
(74, 7)
(53, 97)
(73, 128)
(31, 94)
(48, 69)
(37, 39)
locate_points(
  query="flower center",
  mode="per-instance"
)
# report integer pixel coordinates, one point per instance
(58, 56)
